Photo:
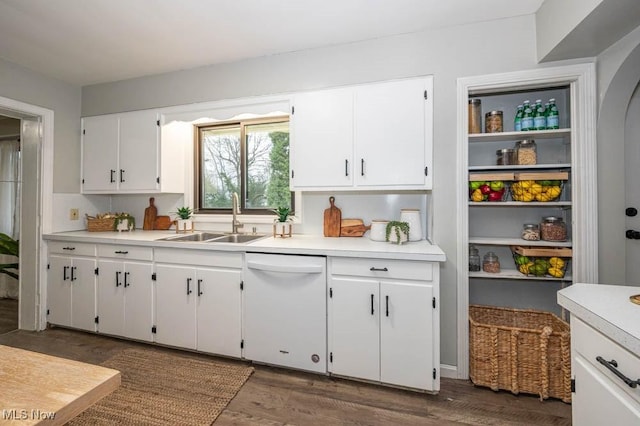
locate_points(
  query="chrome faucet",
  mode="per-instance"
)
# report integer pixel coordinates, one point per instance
(235, 211)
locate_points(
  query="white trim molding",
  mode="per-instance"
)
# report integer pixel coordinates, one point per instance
(582, 82)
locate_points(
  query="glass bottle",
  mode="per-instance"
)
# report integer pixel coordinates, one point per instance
(517, 122)
(491, 263)
(475, 116)
(527, 117)
(553, 118)
(539, 119)
(474, 259)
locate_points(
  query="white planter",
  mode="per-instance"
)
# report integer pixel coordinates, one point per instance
(393, 238)
(184, 225)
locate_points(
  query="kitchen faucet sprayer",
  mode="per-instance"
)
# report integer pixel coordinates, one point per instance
(235, 210)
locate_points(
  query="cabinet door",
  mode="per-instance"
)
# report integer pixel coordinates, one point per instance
(392, 142)
(83, 294)
(406, 334)
(598, 401)
(99, 153)
(354, 334)
(176, 306)
(218, 311)
(59, 291)
(139, 135)
(138, 301)
(322, 146)
(111, 297)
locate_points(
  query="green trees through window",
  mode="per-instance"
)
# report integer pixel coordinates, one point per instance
(257, 169)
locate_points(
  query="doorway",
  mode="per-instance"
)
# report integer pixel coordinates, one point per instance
(10, 188)
(632, 190)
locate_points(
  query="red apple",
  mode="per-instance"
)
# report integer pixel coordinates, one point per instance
(495, 196)
(485, 189)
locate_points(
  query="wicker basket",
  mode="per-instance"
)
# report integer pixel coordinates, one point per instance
(100, 225)
(521, 351)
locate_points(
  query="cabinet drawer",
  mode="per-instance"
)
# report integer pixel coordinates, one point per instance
(125, 252)
(590, 344)
(72, 248)
(382, 268)
(199, 258)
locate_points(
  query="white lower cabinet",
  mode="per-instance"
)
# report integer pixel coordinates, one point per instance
(601, 396)
(383, 317)
(199, 307)
(71, 285)
(125, 292)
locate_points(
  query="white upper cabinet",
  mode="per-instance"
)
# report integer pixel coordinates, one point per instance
(372, 136)
(123, 153)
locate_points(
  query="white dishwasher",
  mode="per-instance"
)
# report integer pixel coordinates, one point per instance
(285, 310)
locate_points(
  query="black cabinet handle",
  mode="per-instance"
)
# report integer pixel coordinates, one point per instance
(121, 252)
(374, 269)
(199, 290)
(118, 279)
(73, 269)
(189, 286)
(64, 273)
(126, 281)
(611, 365)
(346, 167)
(362, 167)
(386, 305)
(121, 175)
(112, 178)
(68, 248)
(372, 310)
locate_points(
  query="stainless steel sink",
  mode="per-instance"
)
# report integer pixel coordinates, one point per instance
(201, 236)
(236, 238)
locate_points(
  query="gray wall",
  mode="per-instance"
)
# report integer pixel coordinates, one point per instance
(27, 86)
(497, 46)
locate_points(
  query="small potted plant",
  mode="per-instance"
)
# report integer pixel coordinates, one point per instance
(184, 223)
(124, 222)
(397, 232)
(282, 224)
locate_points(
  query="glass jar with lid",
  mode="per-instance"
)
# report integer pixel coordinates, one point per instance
(526, 152)
(491, 263)
(474, 259)
(475, 116)
(553, 228)
(493, 122)
(531, 232)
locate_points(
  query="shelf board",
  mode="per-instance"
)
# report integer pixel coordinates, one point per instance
(514, 274)
(493, 241)
(513, 136)
(520, 204)
(529, 167)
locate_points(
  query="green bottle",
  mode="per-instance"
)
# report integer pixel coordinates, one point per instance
(553, 118)
(527, 117)
(539, 118)
(517, 122)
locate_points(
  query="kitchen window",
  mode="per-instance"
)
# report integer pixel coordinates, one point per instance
(248, 157)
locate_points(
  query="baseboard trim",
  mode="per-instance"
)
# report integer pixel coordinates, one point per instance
(448, 371)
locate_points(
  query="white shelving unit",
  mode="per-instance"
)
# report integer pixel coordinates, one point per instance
(496, 226)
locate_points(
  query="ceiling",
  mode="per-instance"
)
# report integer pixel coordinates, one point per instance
(93, 41)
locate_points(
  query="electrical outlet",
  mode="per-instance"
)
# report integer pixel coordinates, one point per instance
(74, 214)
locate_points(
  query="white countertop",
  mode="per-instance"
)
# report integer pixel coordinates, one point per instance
(297, 244)
(606, 308)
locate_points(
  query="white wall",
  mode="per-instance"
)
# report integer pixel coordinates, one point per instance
(27, 86)
(448, 53)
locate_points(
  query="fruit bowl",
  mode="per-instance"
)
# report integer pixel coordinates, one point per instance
(488, 190)
(536, 190)
(542, 261)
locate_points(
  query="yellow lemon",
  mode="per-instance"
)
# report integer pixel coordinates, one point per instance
(542, 197)
(556, 262)
(527, 196)
(555, 272)
(553, 192)
(536, 188)
(526, 184)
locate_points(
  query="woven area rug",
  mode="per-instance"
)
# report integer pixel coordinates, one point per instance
(161, 388)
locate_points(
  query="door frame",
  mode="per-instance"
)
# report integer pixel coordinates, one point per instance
(581, 78)
(32, 291)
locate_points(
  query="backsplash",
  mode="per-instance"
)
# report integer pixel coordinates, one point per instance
(354, 205)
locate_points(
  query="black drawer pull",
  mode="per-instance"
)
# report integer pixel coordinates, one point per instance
(118, 279)
(372, 311)
(64, 273)
(346, 167)
(611, 365)
(386, 305)
(121, 175)
(200, 293)
(68, 248)
(374, 269)
(126, 281)
(111, 179)
(121, 252)
(73, 269)
(362, 167)
(189, 286)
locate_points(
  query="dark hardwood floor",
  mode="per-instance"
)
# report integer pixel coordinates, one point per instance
(275, 396)
(8, 315)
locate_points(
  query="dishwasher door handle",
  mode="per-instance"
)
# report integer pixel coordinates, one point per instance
(287, 269)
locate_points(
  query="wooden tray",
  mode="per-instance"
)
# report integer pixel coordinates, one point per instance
(474, 177)
(542, 251)
(541, 176)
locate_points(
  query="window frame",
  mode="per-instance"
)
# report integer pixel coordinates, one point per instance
(242, 124)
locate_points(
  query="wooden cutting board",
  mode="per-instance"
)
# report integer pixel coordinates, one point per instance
(150, 214)
(353, 228)
(163, 223)
(332, 219)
